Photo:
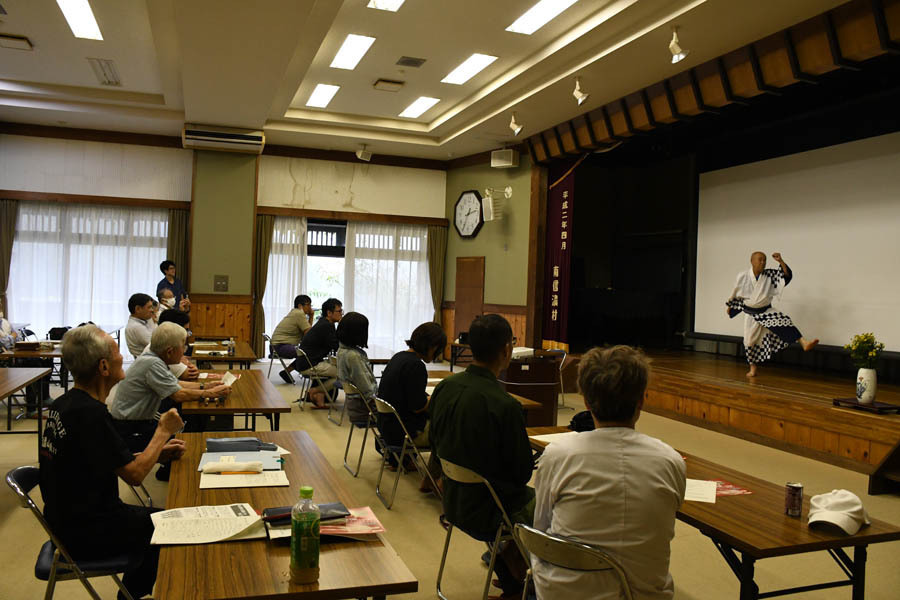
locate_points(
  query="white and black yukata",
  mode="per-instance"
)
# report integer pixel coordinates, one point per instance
(767, 331)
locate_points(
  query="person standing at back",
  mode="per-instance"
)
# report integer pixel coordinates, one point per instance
(290, 331)
(170, 282)
(611, 487)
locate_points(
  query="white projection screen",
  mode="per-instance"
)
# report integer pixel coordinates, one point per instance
(833, 213)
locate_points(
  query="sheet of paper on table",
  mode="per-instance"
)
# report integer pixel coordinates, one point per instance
(268, 458)
(229, 379)
(206, 524)
(209, 481)
(552, 437)
(206, 343)
(700, 490)
(430, 389)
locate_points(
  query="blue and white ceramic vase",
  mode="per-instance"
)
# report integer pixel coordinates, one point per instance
(866, 386)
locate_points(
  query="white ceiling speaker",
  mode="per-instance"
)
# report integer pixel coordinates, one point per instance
(678, 53)
(363, 154)
(504, 159)
(493, 204)
(224, 139)
(579, 93)
(516, 128)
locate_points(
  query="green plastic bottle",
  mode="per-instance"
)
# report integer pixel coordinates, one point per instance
(305, 538)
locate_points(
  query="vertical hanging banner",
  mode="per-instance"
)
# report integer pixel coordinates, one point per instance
(557, 262)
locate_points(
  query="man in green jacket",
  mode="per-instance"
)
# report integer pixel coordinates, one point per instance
(477, 425)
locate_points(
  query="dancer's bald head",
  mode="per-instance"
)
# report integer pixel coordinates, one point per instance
(758, 261)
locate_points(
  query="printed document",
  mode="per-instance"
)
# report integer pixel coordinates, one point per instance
(210, 481)
(700, 490)
(205, 524)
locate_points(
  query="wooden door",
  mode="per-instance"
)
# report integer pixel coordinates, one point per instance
(469, 291)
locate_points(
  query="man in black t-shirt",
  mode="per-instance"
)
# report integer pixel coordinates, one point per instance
(82, 456)
(318, 342)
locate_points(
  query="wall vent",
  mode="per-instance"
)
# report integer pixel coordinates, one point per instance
(15, 42)
(388, 85)
(409, 61)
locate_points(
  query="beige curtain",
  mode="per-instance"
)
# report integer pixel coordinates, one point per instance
(9, 212)
(437, 254)
(265, 226)
(176, 249)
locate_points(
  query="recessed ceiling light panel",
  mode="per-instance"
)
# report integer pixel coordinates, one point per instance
(352, 51)
(469, 69)
(81, 19)
(322, 95)
(391, 5)
(418, 107)
(539, 15)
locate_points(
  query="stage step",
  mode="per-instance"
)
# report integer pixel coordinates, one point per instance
(892, 475)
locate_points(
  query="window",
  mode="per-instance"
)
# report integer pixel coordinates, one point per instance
(325, 244)
(73, 263)
(286, 270)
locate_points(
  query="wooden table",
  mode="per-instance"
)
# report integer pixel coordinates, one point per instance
(252, 394)
(755, 526)
(11, 381)
(525, 402)
(260, 568)
(51, 355)
(243, 355)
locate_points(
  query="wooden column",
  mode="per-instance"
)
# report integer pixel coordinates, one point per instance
(537, 239)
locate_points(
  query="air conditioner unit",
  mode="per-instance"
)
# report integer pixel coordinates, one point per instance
(504, 159)
(225, 139)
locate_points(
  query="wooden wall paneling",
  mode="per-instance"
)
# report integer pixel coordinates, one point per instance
(537, 241)
(892, 19)
(797, 434)
(771, 428)
(854, 448)
(469, 291)
(856, 30)
(877, 452)
(774, 61)
(447, 322)
(824, 441)
(740, 73)
(659, 104)
(812, 46)
(683, 94)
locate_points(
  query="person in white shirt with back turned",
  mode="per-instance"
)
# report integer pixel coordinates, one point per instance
(611, 487)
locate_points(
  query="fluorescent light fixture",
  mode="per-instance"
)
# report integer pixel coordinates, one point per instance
(678, 54)
(352, 51)
(391, 5)
(470, 67)
(419, 106)
(539, 15)
(579, 93)
(81, 19)
(322, 95)
(516, 127)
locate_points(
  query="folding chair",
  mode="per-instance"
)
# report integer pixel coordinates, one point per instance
(368, 423)
(504, 531)
(60, 372)
(331, 397)
(273, 354)
(338, 385)
(408, 448)
(562, 363)
(54, 563)
(146, 500)
(568, 554)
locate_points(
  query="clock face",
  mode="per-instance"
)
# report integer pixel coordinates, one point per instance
(468, 217)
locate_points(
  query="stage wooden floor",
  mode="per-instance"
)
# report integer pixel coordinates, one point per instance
(784, 408)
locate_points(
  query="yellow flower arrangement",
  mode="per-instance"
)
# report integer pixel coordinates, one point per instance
(865, 350)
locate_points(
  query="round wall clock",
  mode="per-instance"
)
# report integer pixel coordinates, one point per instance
(468, 216)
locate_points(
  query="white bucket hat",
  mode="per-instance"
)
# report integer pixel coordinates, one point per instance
(838, 507)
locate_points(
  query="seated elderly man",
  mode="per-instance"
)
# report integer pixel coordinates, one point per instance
(612, 487)
(149, 381)
(477, 425)
(290, 330)
(82, 455)
(140, 324)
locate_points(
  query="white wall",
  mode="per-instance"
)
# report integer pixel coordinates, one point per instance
(834, 214)
(52, 165)
(351, 187)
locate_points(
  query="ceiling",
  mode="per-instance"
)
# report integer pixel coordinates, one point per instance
(253, 65)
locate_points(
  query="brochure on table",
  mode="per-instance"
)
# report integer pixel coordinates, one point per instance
(206, 524)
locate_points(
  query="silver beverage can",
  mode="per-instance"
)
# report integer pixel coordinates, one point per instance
(793, 499)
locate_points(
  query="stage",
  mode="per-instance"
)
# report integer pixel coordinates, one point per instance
(785, 408)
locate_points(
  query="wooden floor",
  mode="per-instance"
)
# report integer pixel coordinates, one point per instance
(785, 408)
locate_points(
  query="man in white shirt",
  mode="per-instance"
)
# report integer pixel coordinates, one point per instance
(611, 487)
(140, 324)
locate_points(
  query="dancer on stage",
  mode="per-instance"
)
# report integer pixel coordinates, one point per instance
(766, 330)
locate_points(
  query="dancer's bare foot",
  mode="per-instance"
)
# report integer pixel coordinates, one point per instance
(752, 371)
(808, 345)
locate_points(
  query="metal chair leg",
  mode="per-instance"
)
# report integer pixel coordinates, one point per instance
(440, 592)
(362, 448)
(389, 503)
(490, 571)
(331, 407)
